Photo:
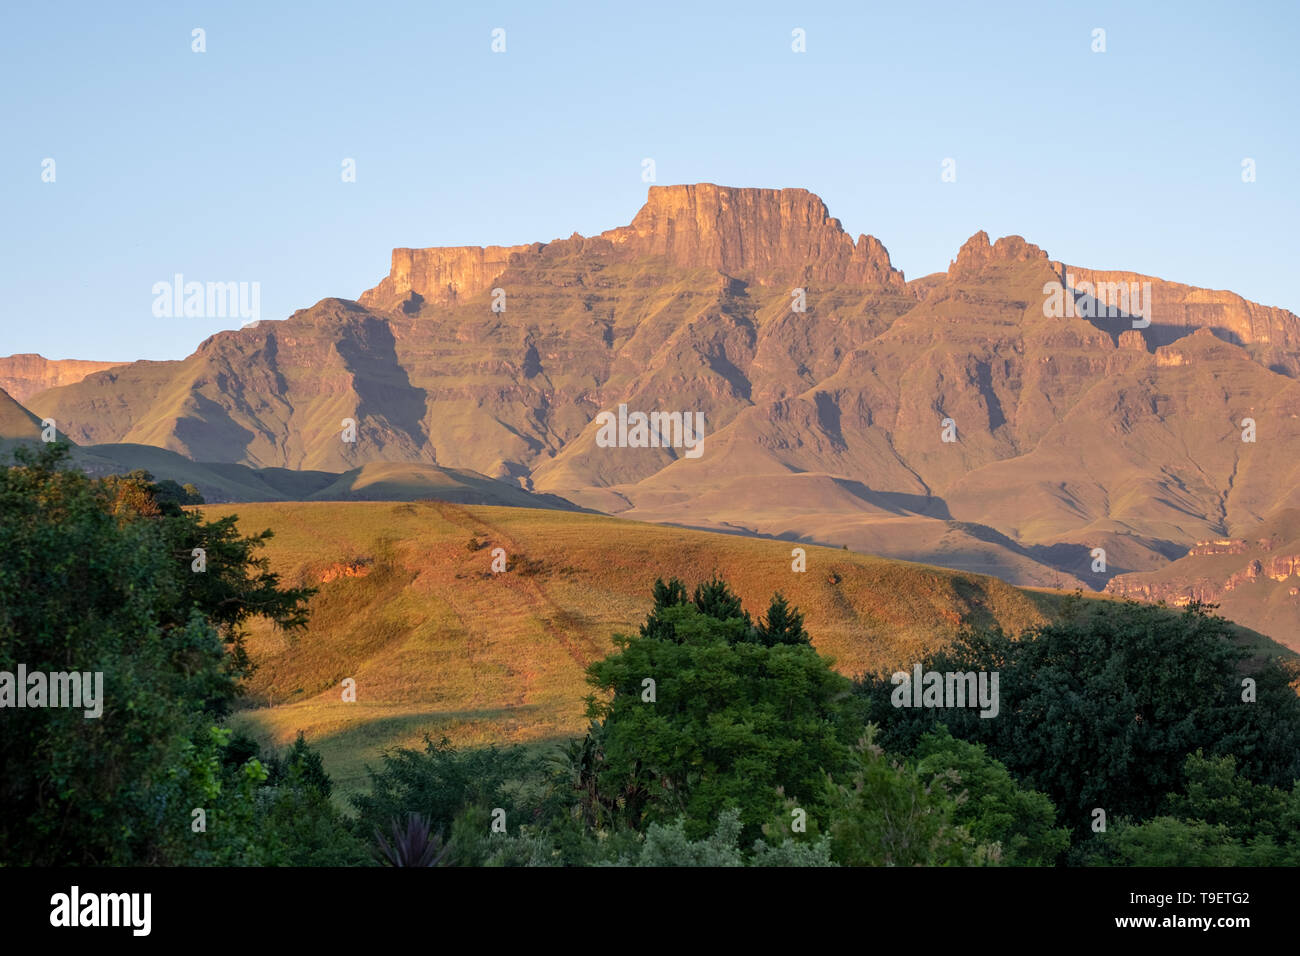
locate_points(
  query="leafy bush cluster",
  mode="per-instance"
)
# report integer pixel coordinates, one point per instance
(718, 741)
(96, 576)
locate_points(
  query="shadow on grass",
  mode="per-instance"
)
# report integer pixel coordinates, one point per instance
(349, 752)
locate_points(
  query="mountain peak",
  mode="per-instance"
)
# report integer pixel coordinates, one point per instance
(770, 234)
(787, 233)
(977, 252)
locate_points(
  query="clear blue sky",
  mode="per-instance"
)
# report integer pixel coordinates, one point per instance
(225, 165)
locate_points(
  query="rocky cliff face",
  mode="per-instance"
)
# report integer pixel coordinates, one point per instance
(440, 276)
(766, 235)
(1254, 579)
(977, 254)
(23, 375)
(1270, 334)
(1207, 589)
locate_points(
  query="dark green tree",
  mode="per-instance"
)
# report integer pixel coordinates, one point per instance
(714, 598)
(304, 767)
(782, 624)
(672, 594)
(1101, 708)
(726, 722)
(884, 811)
(989, 802)
(1218, 819)
(95, 578)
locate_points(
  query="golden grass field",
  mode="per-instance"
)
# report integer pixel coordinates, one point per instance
(440, 645)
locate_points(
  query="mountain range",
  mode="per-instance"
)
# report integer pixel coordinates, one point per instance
(956, 419)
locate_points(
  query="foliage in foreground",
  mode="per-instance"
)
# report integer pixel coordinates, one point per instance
(716, 739)
(1100, 709)
(741, 752)
(98, 577)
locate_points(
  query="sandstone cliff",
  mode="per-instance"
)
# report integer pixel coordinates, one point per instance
(977, 254)
(1255, 580)
(23, 375)
(770, 233)
(441, 276)
(765, 234)
(1271, 335)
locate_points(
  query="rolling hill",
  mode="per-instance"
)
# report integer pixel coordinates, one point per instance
(223, 482)
(16, 422)
(438, 644)
(377, 481)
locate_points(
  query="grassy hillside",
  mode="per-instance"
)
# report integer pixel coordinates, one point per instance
(17, 422)
(439, 644)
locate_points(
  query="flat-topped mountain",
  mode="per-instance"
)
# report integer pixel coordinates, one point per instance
(25, 374)
(765, 233)
(828, 383)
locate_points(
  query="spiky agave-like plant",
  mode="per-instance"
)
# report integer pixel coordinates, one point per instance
(414, 845)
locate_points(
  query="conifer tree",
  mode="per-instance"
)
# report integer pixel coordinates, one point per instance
(672, 594)
(715, 599)
(783, 624)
